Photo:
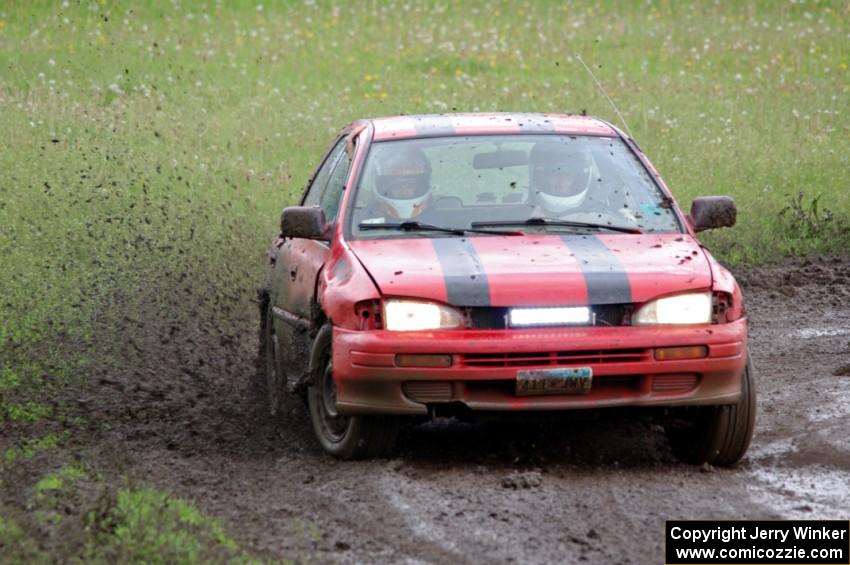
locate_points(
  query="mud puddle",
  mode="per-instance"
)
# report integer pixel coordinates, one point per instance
(809, 333)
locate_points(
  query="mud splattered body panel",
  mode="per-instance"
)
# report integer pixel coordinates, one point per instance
(486, 363)
(297, 263)
(549, 270)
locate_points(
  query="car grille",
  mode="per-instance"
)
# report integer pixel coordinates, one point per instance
(543, 358)
(674, 383)
(427, 391)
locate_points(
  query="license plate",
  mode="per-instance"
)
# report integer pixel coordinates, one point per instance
(554, 381)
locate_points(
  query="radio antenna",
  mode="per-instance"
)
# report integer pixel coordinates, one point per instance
(602, 89)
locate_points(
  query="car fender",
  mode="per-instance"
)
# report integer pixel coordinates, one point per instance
(342, 283)
(723, 281)
(271, 258)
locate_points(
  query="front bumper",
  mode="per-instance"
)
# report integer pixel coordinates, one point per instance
(485, 364)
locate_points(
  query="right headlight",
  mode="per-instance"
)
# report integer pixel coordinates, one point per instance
(690, 308)
(414, 315)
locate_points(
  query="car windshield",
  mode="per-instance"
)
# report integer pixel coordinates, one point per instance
(531, 183)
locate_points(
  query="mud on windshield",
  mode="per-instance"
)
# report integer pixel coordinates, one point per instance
(530, 181)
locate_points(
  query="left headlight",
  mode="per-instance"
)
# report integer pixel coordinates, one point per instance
(691, 308)
(413, 315)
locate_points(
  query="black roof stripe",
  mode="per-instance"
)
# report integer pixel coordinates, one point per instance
(535, 124)
(433, 126)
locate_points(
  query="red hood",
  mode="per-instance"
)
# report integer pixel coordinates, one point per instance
(536, 270)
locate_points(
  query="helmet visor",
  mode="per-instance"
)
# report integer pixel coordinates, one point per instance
(560, 181)
(403, 186)
(560, 174)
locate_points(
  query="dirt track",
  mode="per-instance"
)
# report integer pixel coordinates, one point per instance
(186, 419)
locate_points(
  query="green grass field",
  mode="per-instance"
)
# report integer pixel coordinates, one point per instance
(148, 147)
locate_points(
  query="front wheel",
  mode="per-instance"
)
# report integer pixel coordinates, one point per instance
(269, 357)
(346, 437)
(719, 435)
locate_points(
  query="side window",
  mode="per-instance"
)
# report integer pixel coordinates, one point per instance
(320, 181)
(336, 184)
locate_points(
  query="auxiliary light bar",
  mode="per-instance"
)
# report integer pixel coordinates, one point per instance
(526, 317)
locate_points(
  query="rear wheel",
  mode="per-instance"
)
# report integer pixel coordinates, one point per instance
(346, 437)
(719, 435)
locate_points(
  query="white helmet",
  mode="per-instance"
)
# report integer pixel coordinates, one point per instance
(559, 176)
(404, 181)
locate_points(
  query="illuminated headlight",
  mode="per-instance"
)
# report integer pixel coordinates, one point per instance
(410, 315)
(525, 317)
(693, 308)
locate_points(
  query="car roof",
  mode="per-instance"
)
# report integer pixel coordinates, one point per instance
(441, 125)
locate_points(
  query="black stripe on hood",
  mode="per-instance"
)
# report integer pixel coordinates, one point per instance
(466, 281)
(604, 275)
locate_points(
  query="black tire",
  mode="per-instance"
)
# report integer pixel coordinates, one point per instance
(345, 437)
(268, 365)
(718, 435)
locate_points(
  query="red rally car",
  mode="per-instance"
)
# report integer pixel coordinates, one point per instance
(465, 263)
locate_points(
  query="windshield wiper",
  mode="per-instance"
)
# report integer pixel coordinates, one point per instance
(413, 225)
(557, 223)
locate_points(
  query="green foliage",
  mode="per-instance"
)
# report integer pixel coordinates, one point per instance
(8, 379)
(132, 525)
(56, 481)
(24, 412)
(48, 483)
(16, 546)
(806, 219)
(149, 526)
(27, 448)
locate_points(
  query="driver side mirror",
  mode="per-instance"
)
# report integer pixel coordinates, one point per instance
(306, 222)
(709, 212)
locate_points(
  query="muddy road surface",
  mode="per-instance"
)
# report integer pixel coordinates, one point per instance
(186, 418)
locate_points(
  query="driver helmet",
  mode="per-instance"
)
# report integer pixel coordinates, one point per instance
(404, 181)
(559, 176)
